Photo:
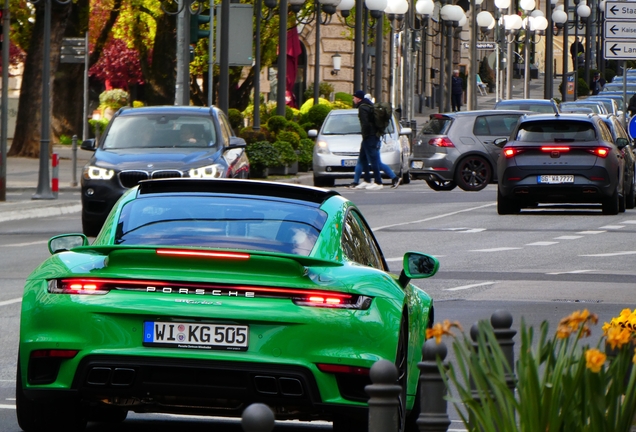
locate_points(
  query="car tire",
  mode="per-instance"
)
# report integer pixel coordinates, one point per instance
(348, 423)
(90, 228)
(39, 416)
(323, 181)
(630, 199)
(621, 203)
(441, 185)
(473, 173)
(506, 206)
(611, 205)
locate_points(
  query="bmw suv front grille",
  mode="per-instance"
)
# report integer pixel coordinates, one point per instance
(130, 179)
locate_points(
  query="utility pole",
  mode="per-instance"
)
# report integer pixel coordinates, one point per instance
(182, 89)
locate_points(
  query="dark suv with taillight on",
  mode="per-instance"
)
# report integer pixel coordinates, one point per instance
(457, 149)
(562, 158)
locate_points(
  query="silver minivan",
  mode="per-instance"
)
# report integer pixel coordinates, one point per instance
(338, 143)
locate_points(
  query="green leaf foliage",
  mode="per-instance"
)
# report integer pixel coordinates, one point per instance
(276, 124)
(345, 98)
(236, 118)
(306, 154)
(262, 154)
(287, 155)
(290, 137)
(251, 135)
(317, 114)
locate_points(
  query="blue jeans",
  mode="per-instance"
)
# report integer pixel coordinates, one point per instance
(363, 164)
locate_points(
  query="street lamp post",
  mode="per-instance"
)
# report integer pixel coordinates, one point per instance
(376, 9)
(548, 88)
(43, 190)
(582, 11)
(512, 25)
(559, 18)
(271, 4)
(425, 9)
(451, 15)
(528, 6)
(501, 5)
(533, 25)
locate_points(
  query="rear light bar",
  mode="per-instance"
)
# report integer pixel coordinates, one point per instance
(299, 296)
(342, 369)
(441, 142)
(555, 148)
(204, 254)
(54, 353)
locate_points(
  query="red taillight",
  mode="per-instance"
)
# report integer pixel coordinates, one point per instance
(601, 152)
(78, 286)
(342, 369)
(509, 152)
(54, 353)
(441, 142)
(553, 148)
(204, 254)
(324, 300)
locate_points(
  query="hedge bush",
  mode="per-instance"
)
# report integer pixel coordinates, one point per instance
(276, 124)
(306, 154)
(286, 153)
(262, 154)
(290, 137)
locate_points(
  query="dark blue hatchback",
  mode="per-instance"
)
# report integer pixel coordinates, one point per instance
(157, 142)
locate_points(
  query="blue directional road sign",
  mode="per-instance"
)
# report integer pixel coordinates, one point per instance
(631, 127)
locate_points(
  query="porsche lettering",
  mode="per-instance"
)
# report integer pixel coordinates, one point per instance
(201, 291)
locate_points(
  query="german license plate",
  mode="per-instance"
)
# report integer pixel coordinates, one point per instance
(555, 179)
(417, 164)
(349, 162)
(196, 335)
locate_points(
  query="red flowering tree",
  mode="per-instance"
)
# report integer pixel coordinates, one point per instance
(118, 66)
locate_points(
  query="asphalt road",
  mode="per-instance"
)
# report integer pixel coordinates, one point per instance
(539, 266)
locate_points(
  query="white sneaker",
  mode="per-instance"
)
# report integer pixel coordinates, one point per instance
(363, 185)
(374, 186)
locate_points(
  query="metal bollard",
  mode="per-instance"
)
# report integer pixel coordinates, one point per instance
(74, 161)
(433, 405)
(501, 322)
(55, 175)
(383, 397)
(258, 417)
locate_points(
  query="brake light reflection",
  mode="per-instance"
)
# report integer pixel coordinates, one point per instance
(342, 369)
(441, 142)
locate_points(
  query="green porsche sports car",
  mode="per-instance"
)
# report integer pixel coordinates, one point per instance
(204, 296)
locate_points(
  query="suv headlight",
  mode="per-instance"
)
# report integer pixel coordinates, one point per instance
(97, 173)
(207, 172)
(322, 147)
(389, 146)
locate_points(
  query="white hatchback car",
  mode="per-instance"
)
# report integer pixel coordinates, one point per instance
(338, 146)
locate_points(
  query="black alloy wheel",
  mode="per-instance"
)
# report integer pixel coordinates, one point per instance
(473, 173)
(611, 204)
(441, 185)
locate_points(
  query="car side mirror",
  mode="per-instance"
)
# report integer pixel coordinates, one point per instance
(500, 142)
(312, 133)
(621, 143)
(66, 242)
(417, 266)
(236, 142)
(88, 144)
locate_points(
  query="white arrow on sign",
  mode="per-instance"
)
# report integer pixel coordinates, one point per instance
(620, 10)
(620, 50)
(620, 29)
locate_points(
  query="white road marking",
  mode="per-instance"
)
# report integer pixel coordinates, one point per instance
(434, 217)
(495, 249)
(27, 244)
(611, 254)
(629, 222)
(8, 302)
(4, 406)
(469, 286)
(568, 237)
(474, 230)
(40, 212)
(590, 232)
(542, 243)
(610, 227)
(571, 272)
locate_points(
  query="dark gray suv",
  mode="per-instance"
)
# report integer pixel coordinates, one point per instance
(457, 149)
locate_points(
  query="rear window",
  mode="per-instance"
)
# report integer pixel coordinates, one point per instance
(221, 222)
(556, 131)
(501, 125)
(437, 125)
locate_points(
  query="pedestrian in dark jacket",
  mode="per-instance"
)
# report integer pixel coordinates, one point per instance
(457, 91)
(597, 84)
(370, 151)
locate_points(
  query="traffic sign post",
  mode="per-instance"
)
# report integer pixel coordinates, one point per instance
(620, 30)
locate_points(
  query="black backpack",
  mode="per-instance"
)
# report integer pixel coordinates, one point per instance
(382, 113)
